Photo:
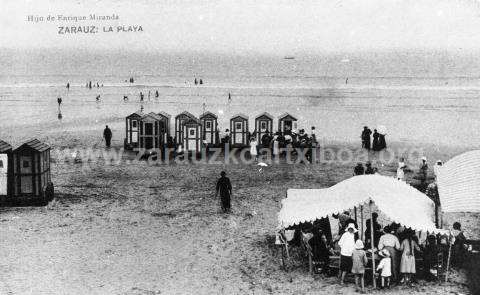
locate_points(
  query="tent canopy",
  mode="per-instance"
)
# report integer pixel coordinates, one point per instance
(399, 201)
(459, 183)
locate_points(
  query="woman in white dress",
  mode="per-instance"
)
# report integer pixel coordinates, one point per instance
(253, 148)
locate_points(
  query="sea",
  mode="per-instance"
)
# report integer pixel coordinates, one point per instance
(418, 97)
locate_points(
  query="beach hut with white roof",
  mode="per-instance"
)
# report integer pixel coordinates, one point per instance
(151, 136)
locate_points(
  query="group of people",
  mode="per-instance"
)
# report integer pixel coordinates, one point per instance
(378, 142)
(89, 85)
(368, 169)
(397, 249)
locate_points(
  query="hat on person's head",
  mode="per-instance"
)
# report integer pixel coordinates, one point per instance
(359, 244)
(352, 226)
(384, 253)
(439, 162)
(424, 158)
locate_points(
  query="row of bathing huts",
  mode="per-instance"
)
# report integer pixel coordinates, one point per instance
(25, 173)
(153, 130)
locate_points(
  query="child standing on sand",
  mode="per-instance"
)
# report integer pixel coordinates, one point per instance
(359, 258)
(385, 266)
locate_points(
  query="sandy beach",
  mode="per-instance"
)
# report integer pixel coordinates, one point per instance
(157, 229)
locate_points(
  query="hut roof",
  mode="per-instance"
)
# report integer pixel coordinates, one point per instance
(208, 114)
(243, 116)
(4, 147)
(166, 115)
(192, 120)
(136, 114)
(185, 113)
(153, 115)
(35, 145)
(286, 115)
(459, 183)
(264, 114)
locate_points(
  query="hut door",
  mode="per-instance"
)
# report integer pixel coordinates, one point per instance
(238, 133)
(3, 174)
(191, 138)
(208, 131)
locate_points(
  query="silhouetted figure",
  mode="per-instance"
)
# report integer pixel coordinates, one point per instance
(381, 142)
(375, 143)
(97, 98)
(366, 137)
(98, 86)
(195, 81)
(358, 170)
(141, 96)
(369, 169)
(125, 97)
(59, 101)
(229, 97)
(156, 93)
(60, 116)
(68, 85)
(90, 84)
(224, 187)
(201, 82)
(107, 134)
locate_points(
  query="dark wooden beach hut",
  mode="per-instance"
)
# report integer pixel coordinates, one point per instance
(192, 135)
(263, 124)
(239, 131)
(210, 125)
(164, 125)
(150, 134)
(179, 120)
(31, 163)
(132, 129)
(287, 123)
(6, 171)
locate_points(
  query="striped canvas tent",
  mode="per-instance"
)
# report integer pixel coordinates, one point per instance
(459, 183)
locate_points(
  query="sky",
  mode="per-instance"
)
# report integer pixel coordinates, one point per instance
(236, 26)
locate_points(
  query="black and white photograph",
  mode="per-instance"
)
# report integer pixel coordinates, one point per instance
(239, 147)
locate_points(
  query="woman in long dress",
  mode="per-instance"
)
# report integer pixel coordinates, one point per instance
(375, 143)
(407, 261)
(253, 148)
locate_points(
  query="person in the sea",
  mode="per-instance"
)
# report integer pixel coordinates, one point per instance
(107, 134)
(68, 85)
(224, 188)
(141, 96)
(156, 94)
(375, 142)
(59, 101)
(366, 137)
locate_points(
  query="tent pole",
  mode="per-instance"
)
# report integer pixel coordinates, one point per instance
(449, 256)
(355, 210)
(361, 221)
(372, 245)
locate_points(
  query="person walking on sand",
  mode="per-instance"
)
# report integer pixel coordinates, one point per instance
(359, 261)
(107, 134)
(224, 187)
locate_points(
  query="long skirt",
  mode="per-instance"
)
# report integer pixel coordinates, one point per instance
(226, 202)
(395, 262)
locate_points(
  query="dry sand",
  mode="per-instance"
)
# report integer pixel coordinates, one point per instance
(140, 229)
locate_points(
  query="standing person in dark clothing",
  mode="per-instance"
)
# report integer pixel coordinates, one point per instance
(381, 142)
(376, 143)
(366, 137)
(369, 169)
(107, 134)
(224, 187)
(377, 231)
(358, 170)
